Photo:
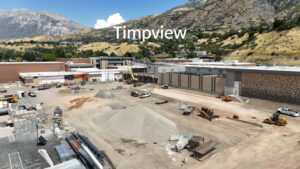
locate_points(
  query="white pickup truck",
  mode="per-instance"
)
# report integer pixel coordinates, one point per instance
(145, 95)
(289, 112)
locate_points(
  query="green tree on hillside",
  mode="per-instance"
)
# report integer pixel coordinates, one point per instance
(48, 57)
(100, 53)
(113, 54)
(18, 59)
(153, 59)
(192, 55)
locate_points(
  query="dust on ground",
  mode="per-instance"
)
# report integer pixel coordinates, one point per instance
(79, 102)
(131, 130)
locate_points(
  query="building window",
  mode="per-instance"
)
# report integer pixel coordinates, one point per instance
(189, 69)
(209, 70)
(172, 70)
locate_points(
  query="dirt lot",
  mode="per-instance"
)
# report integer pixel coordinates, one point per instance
(134, 132)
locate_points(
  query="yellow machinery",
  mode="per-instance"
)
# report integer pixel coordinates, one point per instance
(208, 114)
(10, 98)
(133, 79)
(277, 120)
(134, 93)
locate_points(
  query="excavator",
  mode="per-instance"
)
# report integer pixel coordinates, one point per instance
(133, 79)
(208, 114)
(277, 120)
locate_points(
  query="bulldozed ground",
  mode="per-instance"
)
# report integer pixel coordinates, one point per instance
(133, 132)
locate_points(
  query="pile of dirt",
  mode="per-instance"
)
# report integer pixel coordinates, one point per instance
(105, 94)
(79, 102)
(137, 122)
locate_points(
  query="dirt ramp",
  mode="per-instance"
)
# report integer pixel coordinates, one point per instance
(139, 123)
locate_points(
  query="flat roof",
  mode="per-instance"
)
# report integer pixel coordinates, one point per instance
(29, 62)
(265, 69)
(115, 57)
(95, 70)
(79, 64)
(45, 74)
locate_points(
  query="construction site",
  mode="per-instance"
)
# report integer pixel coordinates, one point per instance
(133, 124)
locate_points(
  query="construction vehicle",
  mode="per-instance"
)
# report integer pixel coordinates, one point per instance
(219, 97)
(145, 95)
(276, 120)
(10, 98)
(188, 111)
(227, 99)
(133, 79)
(208, 114)
(134, 93)
(82, 82)
(165, 87)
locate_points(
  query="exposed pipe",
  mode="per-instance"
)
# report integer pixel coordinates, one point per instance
(99, 166)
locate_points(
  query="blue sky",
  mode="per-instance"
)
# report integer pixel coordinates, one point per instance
(87, 12)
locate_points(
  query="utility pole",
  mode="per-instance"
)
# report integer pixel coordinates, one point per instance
(37, 133)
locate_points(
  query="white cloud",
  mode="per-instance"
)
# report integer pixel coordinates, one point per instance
(111, 21)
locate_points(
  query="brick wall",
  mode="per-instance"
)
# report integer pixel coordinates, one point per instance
(277, 87)
(9, 72)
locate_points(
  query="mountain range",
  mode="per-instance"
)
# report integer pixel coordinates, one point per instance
(19, 23)
(194, 14)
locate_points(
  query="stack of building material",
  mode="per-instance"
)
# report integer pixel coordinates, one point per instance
(63, 152)
(182, 142)
(71, 164)
(45, 155)
(204, 149)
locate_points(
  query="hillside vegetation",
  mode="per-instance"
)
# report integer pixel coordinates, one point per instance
(118, 49)
(272, 47)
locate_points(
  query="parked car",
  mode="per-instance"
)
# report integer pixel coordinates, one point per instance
(58, 85)
(31, 108)
(289, 112)
(165, 87)
(22, 107)
(3, 91)
(31, 94)
(34, 86)
(44, 87)
(145, 95)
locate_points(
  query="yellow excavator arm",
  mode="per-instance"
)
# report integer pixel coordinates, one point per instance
(132, 76)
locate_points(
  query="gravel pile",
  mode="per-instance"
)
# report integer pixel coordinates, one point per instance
(138, 123)
(105, 94)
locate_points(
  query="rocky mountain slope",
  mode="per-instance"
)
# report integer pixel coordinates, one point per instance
(194, 14)
(19, 23)
(221, 14)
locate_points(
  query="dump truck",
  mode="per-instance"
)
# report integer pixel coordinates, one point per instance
(276, 119)
(208, 114)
